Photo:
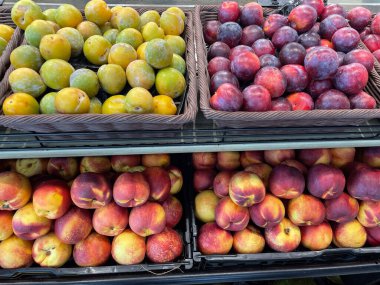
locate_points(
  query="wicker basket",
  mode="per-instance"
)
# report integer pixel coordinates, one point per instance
(115, 122)
(5, 18)
(273, 118)
(377, 66)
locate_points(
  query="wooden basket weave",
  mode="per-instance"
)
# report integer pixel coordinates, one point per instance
(5, 18)
(115, 122)
(377, 66)
(273, 118)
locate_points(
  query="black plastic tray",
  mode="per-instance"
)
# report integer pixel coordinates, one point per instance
(184, 262)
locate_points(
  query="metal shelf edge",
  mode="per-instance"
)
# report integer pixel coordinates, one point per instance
(217, 276)
(121, 150)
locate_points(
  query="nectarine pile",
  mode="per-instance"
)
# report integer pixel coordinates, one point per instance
(307, 60)
(90, 209)
(286, 199)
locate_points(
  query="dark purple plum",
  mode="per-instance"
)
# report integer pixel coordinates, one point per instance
(312, 48)
(273, 23)
(210, 31)
(317, 87)
(372, 42)
(359, 18)
(229, 11)
(330, 25)
(332, 100)
(351, 78)
(308, 40)
(292, 53)
(360, 56)
(218, 64)
(362, 100)
(238, 50)
(365, 32)
(252, 14)
(376, 54)
(245, 66)
(263, 46)
(256, 98)
(218, 49)
(269, 60)
(281, 104)
(222, 77)
(251, 34)
(284, 36)
(301, 101)
(345, 39)
(230, 33)
(341, 56)
(272, 79)
(302, 18)
(321, 63)
(315, 28)
(375, 25)
(333, 9)
(227, 98)
(296, 77)
(318, 5)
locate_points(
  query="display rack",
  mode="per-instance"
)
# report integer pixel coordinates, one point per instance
(201, 136)
(216, 276)
(198, 137)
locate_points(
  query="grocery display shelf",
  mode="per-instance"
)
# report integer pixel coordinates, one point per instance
(240, 274)
(198, 137)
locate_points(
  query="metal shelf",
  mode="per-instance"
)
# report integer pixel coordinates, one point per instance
(201, 136)
(215, 276)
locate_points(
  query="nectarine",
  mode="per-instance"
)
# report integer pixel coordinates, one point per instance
(128, 248)
(214, 240)
(164, 247)
(94, 250)
(248, 241)
(147, 219)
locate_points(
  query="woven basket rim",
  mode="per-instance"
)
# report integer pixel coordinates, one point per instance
(239, 118)
(5, 18)
(5, 9)
(79, 121)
